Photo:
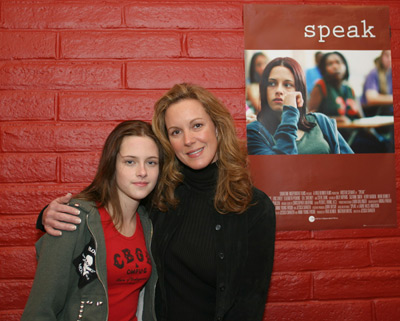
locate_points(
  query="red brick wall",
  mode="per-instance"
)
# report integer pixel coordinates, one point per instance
(70, 70)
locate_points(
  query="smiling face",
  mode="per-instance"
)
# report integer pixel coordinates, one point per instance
(192, 133)
(136, 168)
(280, 82)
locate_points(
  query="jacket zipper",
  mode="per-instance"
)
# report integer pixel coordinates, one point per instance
(98, 276)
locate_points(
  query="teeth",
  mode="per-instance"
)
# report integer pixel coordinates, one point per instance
(196, 151)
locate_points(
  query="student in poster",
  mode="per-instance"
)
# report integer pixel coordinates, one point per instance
(283, 125)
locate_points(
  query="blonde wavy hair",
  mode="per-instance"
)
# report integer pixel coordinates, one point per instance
(234, 186)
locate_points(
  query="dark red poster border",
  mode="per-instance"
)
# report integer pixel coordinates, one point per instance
(314, 192)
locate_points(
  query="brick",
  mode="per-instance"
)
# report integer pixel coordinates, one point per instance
(215, 45)
(184, 16)
(241, 129)
(320, 255)
(326, 311)
(79, 168)
(22, 168)
(108, 105)
(387, 310)
(19, 230)
(355, 233)
(17, 262)
(234, 101)
(66, 16)
(25, 105)
(120, 44)
(385, 252)
(60, 75)
(30, 199)
(290, 287)
(14, 293)
(53, 137)
(75, 137)
(27, 45)
(293, 235)
(208, 74)
(371, 283)
(11, 315)
(28, 137)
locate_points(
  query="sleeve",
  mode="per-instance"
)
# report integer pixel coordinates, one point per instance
(260, 142)
(52, 279)
(39, 223)
(343, 145)
(254, 283)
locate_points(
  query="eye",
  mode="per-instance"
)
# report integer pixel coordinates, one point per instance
(271, 83)
(198, 125)
(289, 85)
(152, 163)
(174, 132)
(130, 162)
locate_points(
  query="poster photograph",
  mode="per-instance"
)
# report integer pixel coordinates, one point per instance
(319, 111)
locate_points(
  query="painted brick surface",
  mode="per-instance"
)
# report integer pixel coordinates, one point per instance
(108, 106)
(23, 168)
(387, 310)
(56, 16)
(71, 70)
(79, 168)
(120, 44)
(205, 73)
(210, 16)
(355, 284)
(306, 256)
(25, 105)
(215, 45)
(27, 45)
(74, 75)
(326, 310)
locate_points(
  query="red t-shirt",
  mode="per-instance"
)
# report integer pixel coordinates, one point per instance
(128, 268)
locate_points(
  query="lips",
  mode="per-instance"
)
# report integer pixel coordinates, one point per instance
(141, 184)
(195, 152)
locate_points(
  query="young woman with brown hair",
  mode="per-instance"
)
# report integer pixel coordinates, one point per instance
(214, 233)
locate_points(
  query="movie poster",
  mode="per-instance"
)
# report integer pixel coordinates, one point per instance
(329, 161)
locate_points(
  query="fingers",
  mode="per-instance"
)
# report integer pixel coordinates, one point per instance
(64, 199)
(59, 216)
(294, 99)
(299, 100)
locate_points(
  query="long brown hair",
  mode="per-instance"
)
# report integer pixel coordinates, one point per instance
(103, 188)
(267, 116)
(234, 187)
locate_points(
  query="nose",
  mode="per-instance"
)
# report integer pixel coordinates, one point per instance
(141, 170)
(279, 89)
(188, 138)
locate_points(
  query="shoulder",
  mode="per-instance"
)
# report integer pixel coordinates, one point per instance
(261, 205)
(255, 125)
(260, 197)
(322, 118)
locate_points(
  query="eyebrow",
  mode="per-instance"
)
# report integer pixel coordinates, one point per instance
(133, 156)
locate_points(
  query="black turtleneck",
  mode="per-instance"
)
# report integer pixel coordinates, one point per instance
(190, 262)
